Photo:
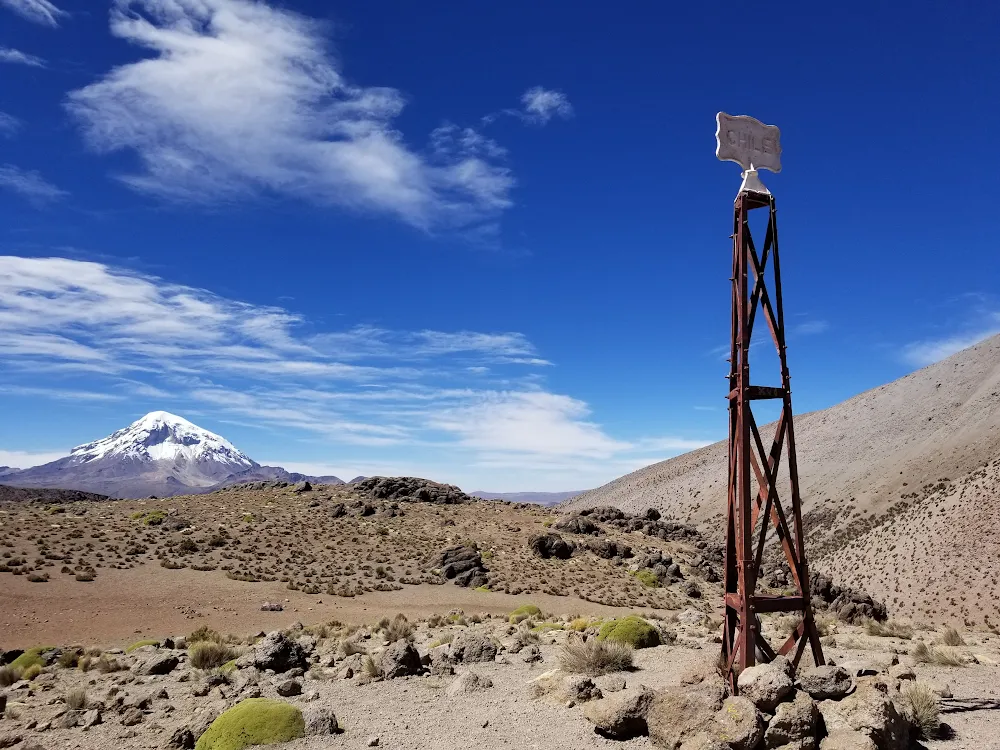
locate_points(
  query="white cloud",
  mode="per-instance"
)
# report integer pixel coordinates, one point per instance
(541, 105)
(38, 11)
(27, 459)
(9, 125)
(29, 184)
(454, 401)
(9, 55)
(927, 352)
(810, 328)
(239, 98)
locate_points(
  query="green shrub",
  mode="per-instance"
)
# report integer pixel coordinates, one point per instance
(647, 578)
(482, 588)
(137, 515)
(140, 644)
(31, 658)
(228, 667)
(154, 518)
(255, 721)
(632, 630)
(593, 657)
(31, 672)
(544, 627)
(209, 655)
(524, 612)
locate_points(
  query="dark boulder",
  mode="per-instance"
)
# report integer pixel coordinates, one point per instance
(550, 545)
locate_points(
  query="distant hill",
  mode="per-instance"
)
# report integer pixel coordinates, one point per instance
(539, 498)
(160, 454)
(898, 488)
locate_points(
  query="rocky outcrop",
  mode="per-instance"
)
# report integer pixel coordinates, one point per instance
(462, 565)
(276, 652)
(411, 489)
(854, 607)
(400, 660)
(551, 545)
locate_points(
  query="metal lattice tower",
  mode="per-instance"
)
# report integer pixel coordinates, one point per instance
(754, 506)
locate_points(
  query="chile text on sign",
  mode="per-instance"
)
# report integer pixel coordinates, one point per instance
(747, 142)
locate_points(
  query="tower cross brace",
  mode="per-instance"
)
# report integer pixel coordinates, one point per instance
(754, 506)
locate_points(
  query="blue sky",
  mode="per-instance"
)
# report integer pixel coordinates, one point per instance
(486, 244)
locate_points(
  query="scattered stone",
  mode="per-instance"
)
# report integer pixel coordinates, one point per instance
(550, 545)
(793, 721)
(470, 647)
(91, 718)
(902, 672)
(276, 652)
(320, 721)
(131, 717)
(271, 607)
(622, 715)
(738, 724)
(468, 682)
(10, 739)
(678, 714)
(372, 742)
(399, 660)
(288, 688)
(844, 739)
(824, 683)
(611, 683)
(871, 712)
(182, 739)
(765, 685)
(157, 663)
(531, 654)
(411, 489)
(580, 689)
(577, 524)
(302, 487)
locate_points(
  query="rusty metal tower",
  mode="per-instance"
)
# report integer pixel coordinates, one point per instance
(755, 509)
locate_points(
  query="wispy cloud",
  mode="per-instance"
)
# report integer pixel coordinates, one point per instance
(929, 351)
(37, 11)
(473, 398)
(9, 55)
(29, 184)
(541, 105)
(810, 328)
(9, 125)
(239, 98)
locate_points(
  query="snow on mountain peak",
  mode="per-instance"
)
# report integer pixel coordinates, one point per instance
(161, 436)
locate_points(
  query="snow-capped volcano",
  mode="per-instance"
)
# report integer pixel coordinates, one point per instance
(161, 436)
(160, 454)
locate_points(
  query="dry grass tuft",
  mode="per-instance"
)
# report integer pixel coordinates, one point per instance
(399, 629)
(921, 707)
(889, 629)
(942, 656)
(76, 699)
(951, 637)
(9, 675)
(209, 655)
(369, 667)
(593, 657)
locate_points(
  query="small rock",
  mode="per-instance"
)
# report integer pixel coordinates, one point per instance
(271, 607)
(131, 717)
(91, 718)
(10, 739)
(622, 715)
(289, 688)
(163, 663)
(902, 672)
(765, 685)
(472, 648)
(844, 739)
(611, 683)
(579, 689)
(531, 654)
(793, 721)
(738, 724)
(373, 742)
(320, 721)
(181, 739)
(823, 683)
(399, 660)
(468, 682)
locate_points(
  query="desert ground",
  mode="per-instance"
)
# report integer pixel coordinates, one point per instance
(435, 621)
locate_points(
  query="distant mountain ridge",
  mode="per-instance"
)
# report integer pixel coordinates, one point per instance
(159, 454)
(538, 498)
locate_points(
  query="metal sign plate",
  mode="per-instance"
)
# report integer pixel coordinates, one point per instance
(747, 142)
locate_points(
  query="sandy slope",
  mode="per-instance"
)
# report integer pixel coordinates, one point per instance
(890, 446)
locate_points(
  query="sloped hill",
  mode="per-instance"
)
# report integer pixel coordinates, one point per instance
(868, 468)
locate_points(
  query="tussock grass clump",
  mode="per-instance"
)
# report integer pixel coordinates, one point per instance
(204, 633)
(632, 630)
(209, 655)
(593, 657)
(69, 658)
(349, 647)
(951, 637)
(369, 667)
(9, 675)
(434, 621)
(107, 664)
(444, 639)
(943, 655)
(889, 629)
(397, 629)
(76, 699)
(31, 658)
(647, 578)
(524, 612)
(31, 672)
(921, 708)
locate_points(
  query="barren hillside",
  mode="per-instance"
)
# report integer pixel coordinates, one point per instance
(907, 464)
